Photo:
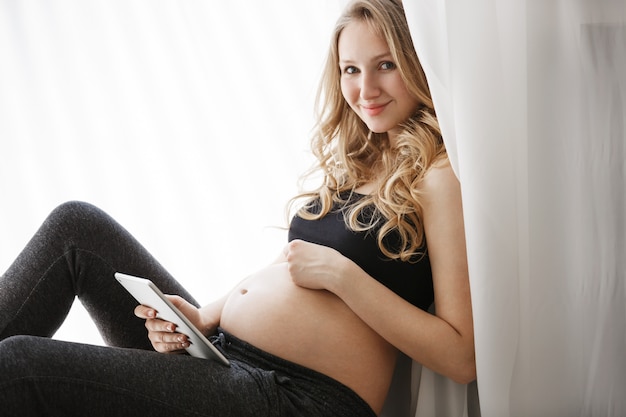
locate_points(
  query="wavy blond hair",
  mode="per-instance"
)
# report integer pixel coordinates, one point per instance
(349, 155)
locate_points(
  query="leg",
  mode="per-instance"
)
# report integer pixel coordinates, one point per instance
(40, 376)
(75, 253)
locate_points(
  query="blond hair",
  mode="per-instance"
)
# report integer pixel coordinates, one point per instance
(349, 155)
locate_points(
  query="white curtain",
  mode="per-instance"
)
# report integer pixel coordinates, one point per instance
(531, 95)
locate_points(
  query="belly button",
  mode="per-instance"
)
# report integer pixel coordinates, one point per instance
(243, 291)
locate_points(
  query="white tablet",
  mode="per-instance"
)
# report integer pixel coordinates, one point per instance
(146, 293)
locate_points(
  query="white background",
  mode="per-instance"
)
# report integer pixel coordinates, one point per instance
(187, 121)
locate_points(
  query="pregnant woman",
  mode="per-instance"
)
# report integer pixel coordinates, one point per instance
(315, 333)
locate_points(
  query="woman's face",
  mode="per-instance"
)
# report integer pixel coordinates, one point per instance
(370, 81)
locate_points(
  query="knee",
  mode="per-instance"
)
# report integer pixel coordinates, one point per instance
(77, 216)
(72, 210)
(25, 357)
(12, 345)
(19, 372)
(15, 358)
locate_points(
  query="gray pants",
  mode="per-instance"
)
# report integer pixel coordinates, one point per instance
(75, 253)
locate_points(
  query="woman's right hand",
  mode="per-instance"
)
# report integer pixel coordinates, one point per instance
(163, 334)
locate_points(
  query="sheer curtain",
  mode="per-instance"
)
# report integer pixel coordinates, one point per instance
(531, 97)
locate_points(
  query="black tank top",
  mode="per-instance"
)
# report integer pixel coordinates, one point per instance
(410, 280)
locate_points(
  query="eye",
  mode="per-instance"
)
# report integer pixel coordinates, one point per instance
(350, 70)
(387, 65)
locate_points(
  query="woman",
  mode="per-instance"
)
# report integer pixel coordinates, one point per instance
(318, 331)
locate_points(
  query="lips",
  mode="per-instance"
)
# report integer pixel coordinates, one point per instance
(374, 109)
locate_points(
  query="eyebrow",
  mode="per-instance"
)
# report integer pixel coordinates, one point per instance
(376, 58)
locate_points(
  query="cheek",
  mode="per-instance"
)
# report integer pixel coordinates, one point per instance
(407, 102)
(349, 92)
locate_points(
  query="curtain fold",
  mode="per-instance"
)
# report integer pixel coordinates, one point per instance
(530, 95)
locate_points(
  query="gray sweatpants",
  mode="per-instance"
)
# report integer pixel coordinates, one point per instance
(75, 254)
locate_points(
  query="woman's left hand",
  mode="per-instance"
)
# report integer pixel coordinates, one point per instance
(313, 266)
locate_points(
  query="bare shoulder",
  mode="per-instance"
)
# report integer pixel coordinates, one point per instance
(440, 182)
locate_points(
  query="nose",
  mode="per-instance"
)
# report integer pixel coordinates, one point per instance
(369, 86)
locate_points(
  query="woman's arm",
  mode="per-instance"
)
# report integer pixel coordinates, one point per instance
(443, 342)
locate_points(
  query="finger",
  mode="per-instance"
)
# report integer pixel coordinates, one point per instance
(167, 338)
(170, 349)
(168, 342)
(145, 312)
(158, 325)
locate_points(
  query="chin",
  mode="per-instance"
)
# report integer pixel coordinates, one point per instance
(378, 128)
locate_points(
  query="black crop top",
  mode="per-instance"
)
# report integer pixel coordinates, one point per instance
(410, 280)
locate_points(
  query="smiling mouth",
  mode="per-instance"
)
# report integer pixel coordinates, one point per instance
(374, 110)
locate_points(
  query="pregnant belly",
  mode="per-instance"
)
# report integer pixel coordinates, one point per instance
(313, 328)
